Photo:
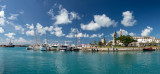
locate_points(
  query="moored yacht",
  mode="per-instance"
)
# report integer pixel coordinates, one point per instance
(53, 48)
(64, 48)
(29, 48)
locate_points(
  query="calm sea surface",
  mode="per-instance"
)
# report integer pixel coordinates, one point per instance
(20, 61)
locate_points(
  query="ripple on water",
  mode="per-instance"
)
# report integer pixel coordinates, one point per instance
(19, 60)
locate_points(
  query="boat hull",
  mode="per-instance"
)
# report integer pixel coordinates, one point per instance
(52, 49)
(148, 49)
(62, 49)
(29, 48)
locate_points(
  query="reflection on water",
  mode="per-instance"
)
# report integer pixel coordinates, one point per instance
(19, 60)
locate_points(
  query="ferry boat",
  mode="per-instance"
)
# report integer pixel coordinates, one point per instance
(148, 49)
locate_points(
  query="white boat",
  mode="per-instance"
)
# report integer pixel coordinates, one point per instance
(54, 48)
(29, 48)
(64, 48)
(38, 47)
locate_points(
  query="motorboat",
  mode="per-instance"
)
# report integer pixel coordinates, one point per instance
(74, 49)
(44, 47)
(37, 47)
(53, 48)
(63, 48)
(148, 49)
(29, 48)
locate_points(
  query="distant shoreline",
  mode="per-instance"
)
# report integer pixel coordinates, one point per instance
(14, 46)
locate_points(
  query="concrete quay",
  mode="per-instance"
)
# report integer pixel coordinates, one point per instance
(117, 49)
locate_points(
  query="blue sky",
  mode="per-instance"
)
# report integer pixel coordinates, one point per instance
(96, 19)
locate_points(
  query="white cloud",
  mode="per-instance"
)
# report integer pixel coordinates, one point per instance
(58, 31)
(128, 19)
(19, 28)
(91, 26)
(50, 12)
(124, 32)
(99, 21)
(2, 21)
(93, 36)
(21, 12)
(10, 35)
(100, 35)
(73, 34)
(41, 30)
(30, 26)
(30, 33)
(146, 31)
(1, 30)
(74, 15)
(3, 6)
(18, 41)
(70, 35)
(112, 34)
(50, 28)
(96, 35)
(104, 21)
(13, 16)
(82, 35)
(63, 17)
(132, 34)
(2, 15)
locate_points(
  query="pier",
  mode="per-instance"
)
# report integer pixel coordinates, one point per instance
(116, 49)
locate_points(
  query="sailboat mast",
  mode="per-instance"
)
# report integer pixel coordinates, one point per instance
(37, 37)
(76, 33)
(35, 40)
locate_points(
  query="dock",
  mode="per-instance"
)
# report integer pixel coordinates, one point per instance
(116, 49)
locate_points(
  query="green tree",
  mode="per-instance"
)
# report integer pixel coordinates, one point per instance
(95, 43)
(109, 43)
(100, 44)
(153, 43)
(126, 40)
(91, 44)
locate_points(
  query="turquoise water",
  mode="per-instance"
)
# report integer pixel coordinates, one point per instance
(20, 61)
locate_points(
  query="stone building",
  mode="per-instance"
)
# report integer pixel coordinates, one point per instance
(146, 41)
(114, 38)
(120, 33)
(103, 40)
(141, 40)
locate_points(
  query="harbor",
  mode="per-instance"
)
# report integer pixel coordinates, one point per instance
(79, 36)
(19, 60)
